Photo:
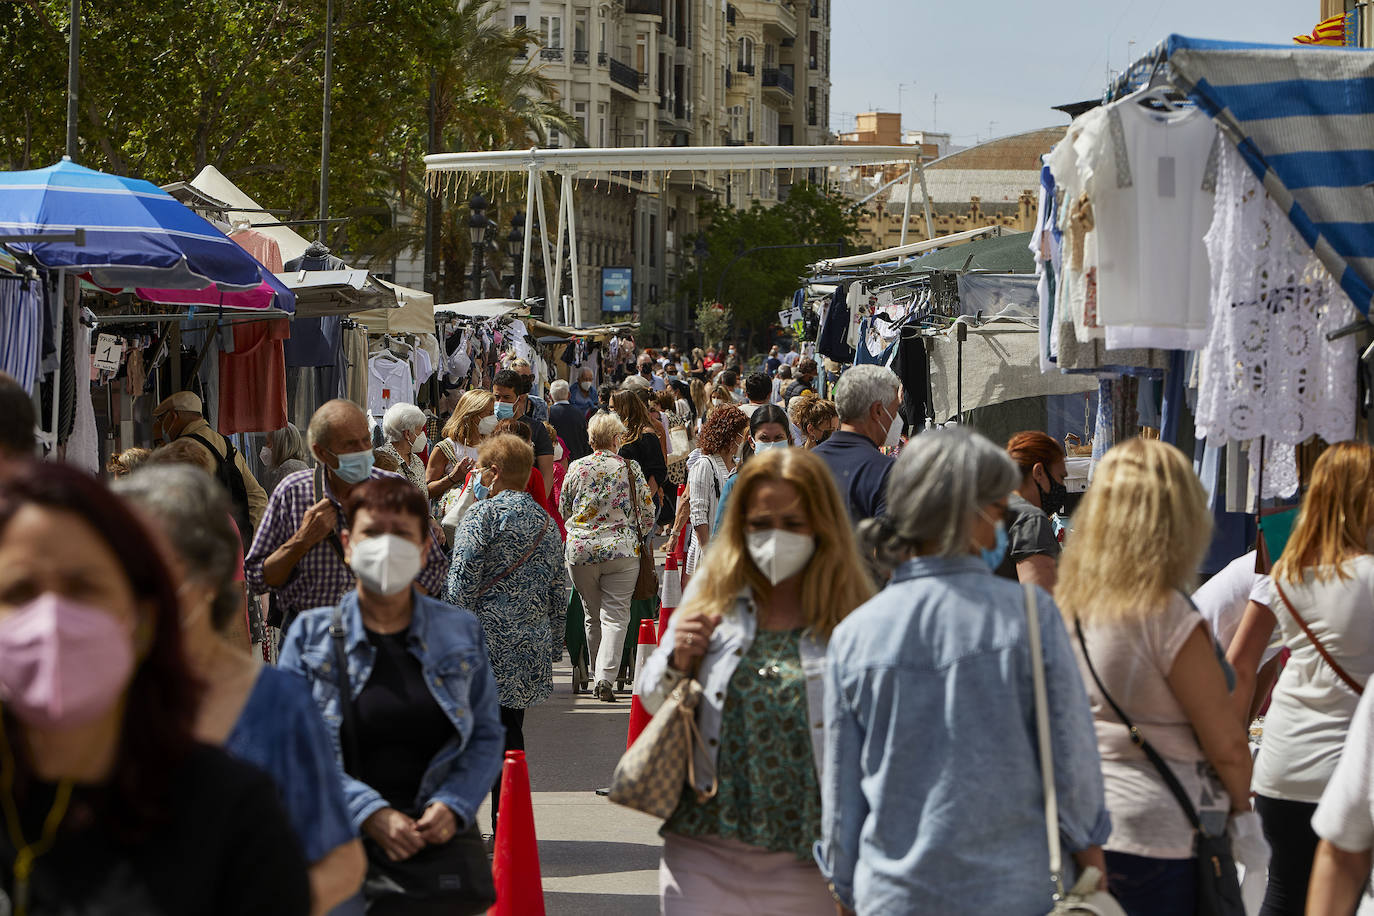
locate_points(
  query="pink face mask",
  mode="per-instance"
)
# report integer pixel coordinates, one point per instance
(62, 663)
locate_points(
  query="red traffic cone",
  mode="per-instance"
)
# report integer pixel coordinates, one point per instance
(670, 593)
(515, 866)
(639, 717)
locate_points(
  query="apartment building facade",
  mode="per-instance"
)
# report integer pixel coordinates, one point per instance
(639, 73)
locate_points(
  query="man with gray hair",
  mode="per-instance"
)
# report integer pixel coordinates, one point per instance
(570, 422)
(867, 399)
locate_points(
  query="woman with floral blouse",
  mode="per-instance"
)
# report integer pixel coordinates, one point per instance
(608, 512)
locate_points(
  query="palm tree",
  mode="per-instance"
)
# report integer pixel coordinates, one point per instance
(487, 92)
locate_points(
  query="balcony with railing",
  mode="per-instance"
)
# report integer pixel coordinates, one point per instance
(581, 57)
(625, 76)
(779, 16)
(781, 80)
(644, 7)
(550, 53)
(602, 58)
(742, 67)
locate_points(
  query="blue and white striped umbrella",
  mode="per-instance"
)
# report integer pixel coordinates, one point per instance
(137, 235)
(1303, 119)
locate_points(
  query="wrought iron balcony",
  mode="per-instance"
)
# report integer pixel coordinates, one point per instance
(581, 57)
(550, 53)
(774, 78)
(623, 74)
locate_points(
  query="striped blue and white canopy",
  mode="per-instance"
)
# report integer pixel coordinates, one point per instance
(1303, 119)
(136, 233)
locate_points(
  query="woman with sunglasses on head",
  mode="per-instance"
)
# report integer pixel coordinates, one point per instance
(752, 630)
(768, 429)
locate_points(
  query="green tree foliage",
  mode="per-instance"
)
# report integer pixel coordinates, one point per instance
(170, 86)
(758, 283)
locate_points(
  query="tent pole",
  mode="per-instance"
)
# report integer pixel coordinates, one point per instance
(558, 251)
(906, 209)
(529, 232)
(73, 77)
(57, 369)
(568, 191)
(925, 199)
(551, 282)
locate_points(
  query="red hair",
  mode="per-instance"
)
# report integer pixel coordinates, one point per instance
(1033, 447)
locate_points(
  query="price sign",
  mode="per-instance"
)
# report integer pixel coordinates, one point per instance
(108, 351)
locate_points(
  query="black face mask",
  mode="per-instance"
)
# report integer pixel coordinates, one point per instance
(1053, 499)
(823, 436)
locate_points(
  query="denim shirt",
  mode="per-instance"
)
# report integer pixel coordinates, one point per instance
(452, 651)
(932, 794)
(729, 642)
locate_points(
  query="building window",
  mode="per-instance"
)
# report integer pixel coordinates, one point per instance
(580, 113)
(551, 31)
(746, 55)
(580, 31)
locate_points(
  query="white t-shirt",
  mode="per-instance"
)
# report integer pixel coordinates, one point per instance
(1148, 178)
(1223, 598)
(1345, 816)
(1311, 710)
(388, 382)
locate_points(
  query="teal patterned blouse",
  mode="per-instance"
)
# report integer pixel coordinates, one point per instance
(769, 795)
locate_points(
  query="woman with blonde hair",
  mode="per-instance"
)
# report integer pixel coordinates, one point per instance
(1146, 655)
(456, 453)
(1323, 593)
(933, 795)
(752, 630)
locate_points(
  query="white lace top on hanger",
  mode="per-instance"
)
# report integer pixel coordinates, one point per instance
(1268, 369)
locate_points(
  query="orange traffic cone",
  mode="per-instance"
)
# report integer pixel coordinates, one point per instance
(515, 866)
(639, 717)
(670, 594)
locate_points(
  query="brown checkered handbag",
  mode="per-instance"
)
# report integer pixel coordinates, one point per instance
(652, 772)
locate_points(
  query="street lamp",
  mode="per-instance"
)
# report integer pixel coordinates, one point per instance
(477, 233)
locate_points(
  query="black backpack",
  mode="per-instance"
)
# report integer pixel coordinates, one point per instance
(227, 473)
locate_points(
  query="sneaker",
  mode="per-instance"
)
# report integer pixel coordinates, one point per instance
(604, 692)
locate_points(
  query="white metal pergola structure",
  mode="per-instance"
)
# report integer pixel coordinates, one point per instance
(570, 164)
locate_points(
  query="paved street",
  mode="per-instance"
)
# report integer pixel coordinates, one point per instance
(595, 857)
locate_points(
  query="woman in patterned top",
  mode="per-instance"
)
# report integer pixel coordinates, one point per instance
(507, 569)
(608, 513)
(754, 627)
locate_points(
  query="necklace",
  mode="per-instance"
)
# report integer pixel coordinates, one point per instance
(773, 670)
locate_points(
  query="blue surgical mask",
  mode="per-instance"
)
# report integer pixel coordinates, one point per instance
(994, 555)
(504, 411)
(761, 447)
(480, 490)
(354, 467)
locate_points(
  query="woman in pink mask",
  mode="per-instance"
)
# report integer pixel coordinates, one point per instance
(108, 802)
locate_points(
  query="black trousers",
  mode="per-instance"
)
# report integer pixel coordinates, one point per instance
(513, 720)
(1288, 829)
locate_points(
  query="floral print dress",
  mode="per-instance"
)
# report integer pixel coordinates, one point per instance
(595, 504)
(523, 614)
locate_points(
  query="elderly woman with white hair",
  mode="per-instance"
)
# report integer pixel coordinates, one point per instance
(283, 453)
(404, 428)
(608, 512)
(932, 792)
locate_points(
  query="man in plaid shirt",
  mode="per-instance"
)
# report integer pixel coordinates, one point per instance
(296, 554)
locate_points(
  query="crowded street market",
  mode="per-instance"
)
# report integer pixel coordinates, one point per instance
(1009, 569)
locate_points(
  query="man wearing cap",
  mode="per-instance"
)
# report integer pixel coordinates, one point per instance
(181, 416)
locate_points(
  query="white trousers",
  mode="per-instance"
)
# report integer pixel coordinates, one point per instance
(606, 590)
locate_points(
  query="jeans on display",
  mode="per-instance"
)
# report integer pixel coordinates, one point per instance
(1292, 844)
(1149, 887)
(606, 590)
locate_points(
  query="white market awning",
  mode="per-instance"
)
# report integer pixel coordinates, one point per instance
(480, 308)
(442, 169)
(904, 251)
(415, 316)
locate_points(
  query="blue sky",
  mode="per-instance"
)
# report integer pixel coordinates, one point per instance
(998, 66)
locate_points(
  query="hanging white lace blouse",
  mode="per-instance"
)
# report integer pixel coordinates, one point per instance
(1268, 369)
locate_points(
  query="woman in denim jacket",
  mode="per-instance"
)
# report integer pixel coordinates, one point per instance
(779, 575)
(932, 790)
(429, 738)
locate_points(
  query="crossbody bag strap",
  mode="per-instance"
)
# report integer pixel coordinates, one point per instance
(348, 733)
(634, 498)
(1139, 741)
(333, 535)
(486, 586)
(1317, 644)
(1042, 729)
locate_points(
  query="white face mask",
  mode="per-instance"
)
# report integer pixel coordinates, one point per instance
(265, 454)
(486, 425)
(386, 564)
(894, 432)
(557, 452)
(780, 555)
(420, 442)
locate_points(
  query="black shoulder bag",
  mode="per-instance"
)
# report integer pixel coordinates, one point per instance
(450, 879)
(227, 473)
(1218, 885)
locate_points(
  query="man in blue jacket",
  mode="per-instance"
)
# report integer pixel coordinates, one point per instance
(867, 399)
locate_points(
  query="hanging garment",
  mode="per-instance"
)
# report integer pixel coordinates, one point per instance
(22, 311)
(83, 447)
(1000, 364)
(388, 382)
(313, 342)
(1148, 180)
(260, 246)
(1268, 369)
(355, 358)
(252, 379)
